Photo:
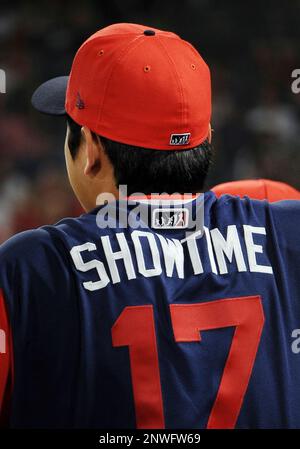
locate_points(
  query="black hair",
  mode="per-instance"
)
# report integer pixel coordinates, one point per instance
(151, 171)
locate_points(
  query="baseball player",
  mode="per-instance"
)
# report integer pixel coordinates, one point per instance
(148, 311)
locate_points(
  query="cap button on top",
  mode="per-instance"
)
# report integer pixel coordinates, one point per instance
(149, 33)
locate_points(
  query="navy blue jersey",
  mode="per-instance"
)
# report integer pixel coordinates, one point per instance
(151, 326)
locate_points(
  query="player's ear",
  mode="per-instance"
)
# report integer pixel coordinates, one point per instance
(92, 150)
(209, 136)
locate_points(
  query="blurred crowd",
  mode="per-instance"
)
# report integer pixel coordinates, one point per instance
(251, 47)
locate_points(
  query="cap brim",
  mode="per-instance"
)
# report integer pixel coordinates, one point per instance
(50, 97)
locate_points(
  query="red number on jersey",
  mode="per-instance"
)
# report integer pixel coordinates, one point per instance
(247, 315)
(135, 328)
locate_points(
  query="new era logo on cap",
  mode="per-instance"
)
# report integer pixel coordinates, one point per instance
(180, 139)
(79, 101)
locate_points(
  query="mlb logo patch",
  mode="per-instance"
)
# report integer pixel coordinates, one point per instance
(170, 218)
(180, 139)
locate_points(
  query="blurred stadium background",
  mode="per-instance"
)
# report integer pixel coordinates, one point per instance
(251, 47)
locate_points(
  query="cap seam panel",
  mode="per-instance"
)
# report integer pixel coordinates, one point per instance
(124, 52)
(177, 77)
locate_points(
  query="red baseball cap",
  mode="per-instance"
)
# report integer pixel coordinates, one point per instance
(259, 189)
(136, 85)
